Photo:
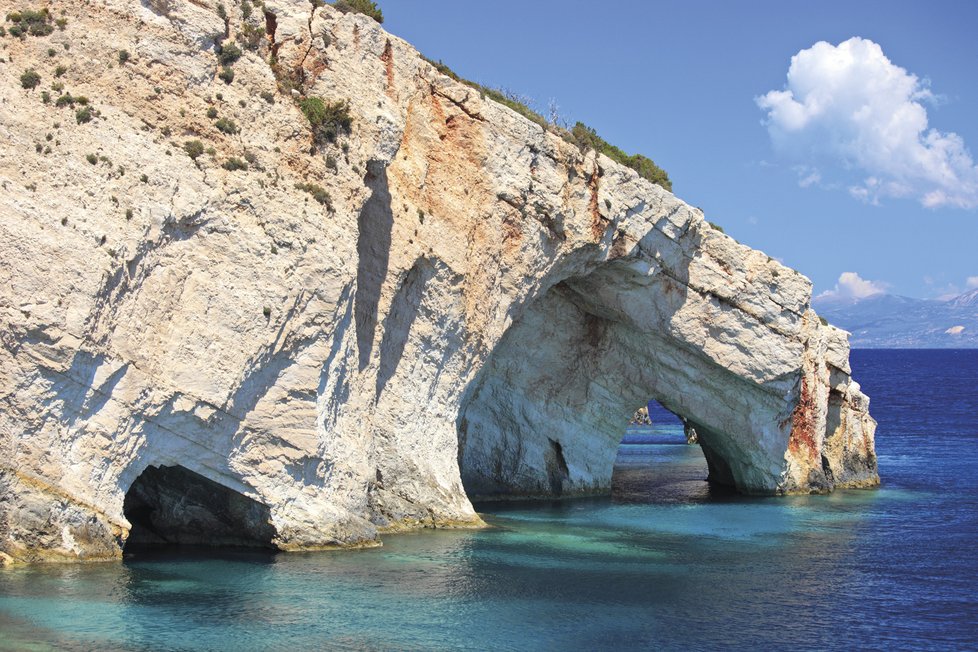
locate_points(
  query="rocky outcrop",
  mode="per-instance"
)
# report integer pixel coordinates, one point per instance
(476, 308)
(641, 417)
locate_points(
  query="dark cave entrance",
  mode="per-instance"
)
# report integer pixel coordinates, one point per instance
(171, 505)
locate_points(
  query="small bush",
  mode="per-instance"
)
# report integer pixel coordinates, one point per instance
(30, 79)
(123, 56)
(365, 7)
(327, 119)
(194, 148)
(252, 36)
(45, 97)
(212, 113)
(318, 193)
(715, 227)
(268, 97)
(226, 126)
(233, 164)
(587, 138)
(83, 115)
(331, 163)
(65, 100)
(60, 71)
(52, 52)
(228, 54)
(29, 21)
(91, 158)
(226, 75)
(823, 320)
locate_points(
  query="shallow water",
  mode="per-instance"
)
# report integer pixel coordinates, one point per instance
(668, 563)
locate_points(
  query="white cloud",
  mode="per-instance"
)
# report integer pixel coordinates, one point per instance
(972, 282)
(955, 330)
(848, 105)
(852, 287)
(808, 176)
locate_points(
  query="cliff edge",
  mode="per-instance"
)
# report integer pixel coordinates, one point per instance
(223, 311)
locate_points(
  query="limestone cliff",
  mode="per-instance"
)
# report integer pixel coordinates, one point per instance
(475, 308)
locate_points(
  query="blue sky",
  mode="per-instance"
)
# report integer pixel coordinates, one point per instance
(679, 82)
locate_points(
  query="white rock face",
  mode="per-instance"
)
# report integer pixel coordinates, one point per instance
(482, 303)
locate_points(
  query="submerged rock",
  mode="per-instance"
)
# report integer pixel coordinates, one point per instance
(443, 301)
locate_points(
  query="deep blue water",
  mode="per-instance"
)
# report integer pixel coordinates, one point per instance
(666, 564)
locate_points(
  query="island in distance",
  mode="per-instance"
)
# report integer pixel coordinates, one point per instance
(891, 321)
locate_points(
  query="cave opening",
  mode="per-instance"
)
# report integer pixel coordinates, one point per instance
(174, 506)
(659, 459)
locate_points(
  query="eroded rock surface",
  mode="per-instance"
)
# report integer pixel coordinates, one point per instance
(478, 302)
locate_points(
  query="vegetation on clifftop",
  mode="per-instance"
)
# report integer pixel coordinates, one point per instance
(581, 135)
(365, 7)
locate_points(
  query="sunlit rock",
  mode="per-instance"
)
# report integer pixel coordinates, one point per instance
(477, 309)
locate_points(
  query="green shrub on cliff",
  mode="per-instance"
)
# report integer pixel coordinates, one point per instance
(365, 7)
(30, 21)
(587, 139)
(228, 54)
(318, 193)
(84, 115)
(30, 79)
(327, 119)
(226, 126)
(234, 164)
(194, 148)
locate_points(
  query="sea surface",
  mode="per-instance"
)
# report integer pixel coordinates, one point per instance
(667, 563)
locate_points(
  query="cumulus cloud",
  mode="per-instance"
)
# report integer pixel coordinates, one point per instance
(955, 330)
(848, 107)
(852, 287)
(972, 282)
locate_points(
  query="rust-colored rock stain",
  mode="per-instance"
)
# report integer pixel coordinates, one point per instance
(388, 58)
(802, 441)
(597, 221)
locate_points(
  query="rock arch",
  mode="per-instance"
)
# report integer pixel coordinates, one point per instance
(543, 417)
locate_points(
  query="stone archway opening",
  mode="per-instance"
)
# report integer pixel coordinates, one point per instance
(172, 505)
(545, 415)
(659, 460)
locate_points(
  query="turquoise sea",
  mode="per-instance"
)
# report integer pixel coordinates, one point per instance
(666, 563)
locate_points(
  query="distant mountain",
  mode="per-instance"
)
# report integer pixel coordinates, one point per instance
(889, 321)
